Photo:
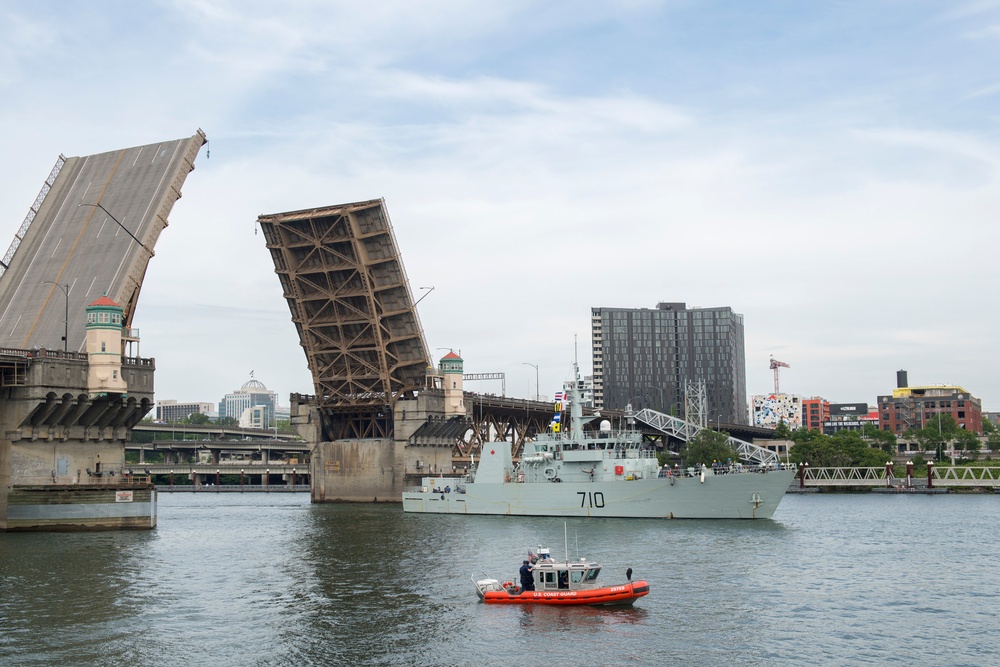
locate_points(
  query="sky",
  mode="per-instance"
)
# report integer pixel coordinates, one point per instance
(828, 170)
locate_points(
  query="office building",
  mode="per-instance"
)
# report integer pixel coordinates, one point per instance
(252, 394)
(648, 357)
(169, 410)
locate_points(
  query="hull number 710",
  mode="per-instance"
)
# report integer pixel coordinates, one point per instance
(591, 499)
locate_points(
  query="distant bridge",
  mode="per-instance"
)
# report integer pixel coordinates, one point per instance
(214, 432)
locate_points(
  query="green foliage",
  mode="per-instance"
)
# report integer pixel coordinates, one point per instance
(968, 442)
(884, 440)
(993, 441)
(199, 418)
(935, 433)
(845, 449)
(989, 428)
(706, 447)
(782, 432)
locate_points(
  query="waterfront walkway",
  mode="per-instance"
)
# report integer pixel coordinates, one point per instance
(951, 477)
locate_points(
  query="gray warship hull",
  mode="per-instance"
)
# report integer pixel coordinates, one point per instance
(746, 495)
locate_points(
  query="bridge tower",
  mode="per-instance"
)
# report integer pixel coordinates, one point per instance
(454, 394)
(104, 348)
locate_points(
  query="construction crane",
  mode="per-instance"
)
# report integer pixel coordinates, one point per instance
(775, 365)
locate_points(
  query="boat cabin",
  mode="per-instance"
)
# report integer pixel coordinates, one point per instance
(552, 576)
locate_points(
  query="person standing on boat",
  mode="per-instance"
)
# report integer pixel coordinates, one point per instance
(527, 580)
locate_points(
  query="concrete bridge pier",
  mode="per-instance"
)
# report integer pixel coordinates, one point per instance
(62, 451)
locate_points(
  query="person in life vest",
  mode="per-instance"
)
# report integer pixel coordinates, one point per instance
(527, 580)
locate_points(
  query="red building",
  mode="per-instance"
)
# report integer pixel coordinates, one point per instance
(914, 407)
(815, 411)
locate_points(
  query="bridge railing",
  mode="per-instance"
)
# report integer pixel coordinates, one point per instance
(954, 476)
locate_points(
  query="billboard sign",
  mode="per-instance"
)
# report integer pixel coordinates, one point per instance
(845, 409)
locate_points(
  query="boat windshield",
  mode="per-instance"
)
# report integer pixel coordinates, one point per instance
(592, 573)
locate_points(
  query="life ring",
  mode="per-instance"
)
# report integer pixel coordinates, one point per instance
(549, 473)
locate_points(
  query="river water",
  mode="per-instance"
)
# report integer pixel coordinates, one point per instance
(269, 579)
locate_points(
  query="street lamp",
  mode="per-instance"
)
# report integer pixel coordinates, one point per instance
(535, 366)
(65, 289)
(429, 290)
(98, 205)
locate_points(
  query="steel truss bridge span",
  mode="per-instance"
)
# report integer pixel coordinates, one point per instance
(676, 427)
(350, 300)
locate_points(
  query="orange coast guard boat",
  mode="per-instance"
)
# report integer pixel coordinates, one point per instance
(561, 583)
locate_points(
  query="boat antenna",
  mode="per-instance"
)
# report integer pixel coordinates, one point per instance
(566, 541)
(576, 536)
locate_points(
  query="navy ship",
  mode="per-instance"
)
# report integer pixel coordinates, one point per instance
(604, 473)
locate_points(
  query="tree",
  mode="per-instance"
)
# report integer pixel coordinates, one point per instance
(198, 418)
(843, 450)
(885, 440)
(993, 441)
(708, 446)
(988, 427)
(936, 433)
(968, 442)
(782, 432)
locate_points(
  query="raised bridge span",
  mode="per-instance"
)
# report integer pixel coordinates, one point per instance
(89, 233)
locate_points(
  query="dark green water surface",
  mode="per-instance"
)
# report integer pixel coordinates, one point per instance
(269, 579)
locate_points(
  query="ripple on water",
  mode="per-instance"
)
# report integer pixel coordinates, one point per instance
(270, 579)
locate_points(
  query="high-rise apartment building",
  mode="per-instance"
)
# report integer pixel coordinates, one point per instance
(647, 357)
